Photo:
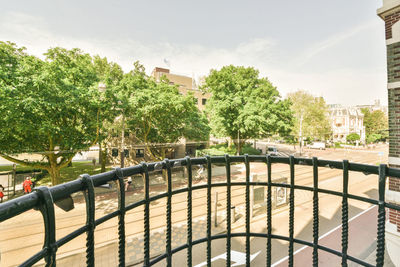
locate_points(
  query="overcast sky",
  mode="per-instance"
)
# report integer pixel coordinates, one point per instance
(334, 49)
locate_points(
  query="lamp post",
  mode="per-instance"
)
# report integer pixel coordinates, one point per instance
(123, 140)
(301, 133)
(102, 88)
(122, 155)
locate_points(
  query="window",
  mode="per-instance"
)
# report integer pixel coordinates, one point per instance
(139, 153)
(196, 101)
(204, 101)
(126, 153)
(114, 152)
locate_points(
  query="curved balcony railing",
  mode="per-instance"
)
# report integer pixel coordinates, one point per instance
(44, 198)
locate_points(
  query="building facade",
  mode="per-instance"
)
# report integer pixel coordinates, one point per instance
(376, 106)
(185, 85)
(344, 121)
(390, 13)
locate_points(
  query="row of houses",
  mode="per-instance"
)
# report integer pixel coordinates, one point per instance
(347, 120)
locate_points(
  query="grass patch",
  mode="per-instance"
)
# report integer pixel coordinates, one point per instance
(72, 173)
(222, 149)
(8, 168)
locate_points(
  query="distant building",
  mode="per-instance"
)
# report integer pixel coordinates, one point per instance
(376, 106)
(346, 120)
(185, 85)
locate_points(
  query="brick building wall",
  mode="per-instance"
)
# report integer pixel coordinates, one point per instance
(390, 13)
(390, 19)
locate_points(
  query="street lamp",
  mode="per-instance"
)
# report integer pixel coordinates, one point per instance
(122, 136)
(102, 88)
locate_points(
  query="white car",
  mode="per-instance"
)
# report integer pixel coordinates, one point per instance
(317, 145)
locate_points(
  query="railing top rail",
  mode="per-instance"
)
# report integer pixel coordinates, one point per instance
(21, 204)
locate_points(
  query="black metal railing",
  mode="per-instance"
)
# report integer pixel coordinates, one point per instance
(44, 198)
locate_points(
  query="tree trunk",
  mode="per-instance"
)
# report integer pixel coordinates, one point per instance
(55, 176)
(103, 159)
(240, 147)
(100, 155)
(54, 169)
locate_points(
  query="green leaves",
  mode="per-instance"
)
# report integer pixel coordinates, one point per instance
(158, 113)
(376, 125)
(313, 114)
(242, 101)
(47, 106)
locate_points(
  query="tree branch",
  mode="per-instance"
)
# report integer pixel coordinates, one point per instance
(29, 164)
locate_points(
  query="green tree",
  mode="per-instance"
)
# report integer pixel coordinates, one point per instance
(376, 124)
(244, 106)
(311, 116)
(157, 113)
(48, 107)
(352, 138)
(110, 75)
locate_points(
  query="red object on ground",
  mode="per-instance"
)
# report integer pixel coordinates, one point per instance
(27, 185)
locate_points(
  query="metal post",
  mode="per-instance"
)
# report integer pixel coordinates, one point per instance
(238, 144)
(301, 133)
(123, 141)
(216, 210)
(14, 177)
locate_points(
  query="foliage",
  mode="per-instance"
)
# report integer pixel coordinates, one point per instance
(312, 112)
(157, 113)
(376, 125)
(48, 106)
(338, 145)
(373, 138)
(109, 76)
(222, 149)
(244, 106)
(353, 137)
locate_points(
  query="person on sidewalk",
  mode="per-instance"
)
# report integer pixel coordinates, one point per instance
(128, 183)
(27, 185)
(1, 193)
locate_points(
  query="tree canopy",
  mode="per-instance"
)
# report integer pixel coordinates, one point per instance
(376, 125)
(157, 113)
(244, 106)
(312, 113)
(48, 106)
(353, 137)
(55, 107)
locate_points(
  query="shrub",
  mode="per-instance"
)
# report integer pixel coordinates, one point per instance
(222, 149)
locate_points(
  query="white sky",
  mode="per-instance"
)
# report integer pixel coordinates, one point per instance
(335, 49)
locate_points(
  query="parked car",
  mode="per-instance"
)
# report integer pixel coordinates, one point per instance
(273, 151)
(317, 145)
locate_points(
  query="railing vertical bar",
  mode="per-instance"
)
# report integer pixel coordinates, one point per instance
(315, 213)
(246, 160)
(90, 216)
(121, 216)
(345, 213)
(269, 210)
(47, 210)
(228, 210)
(208, 210)
(291, 210)
(146, 183)
(380, 247)
(168, 213)
(189, 212)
